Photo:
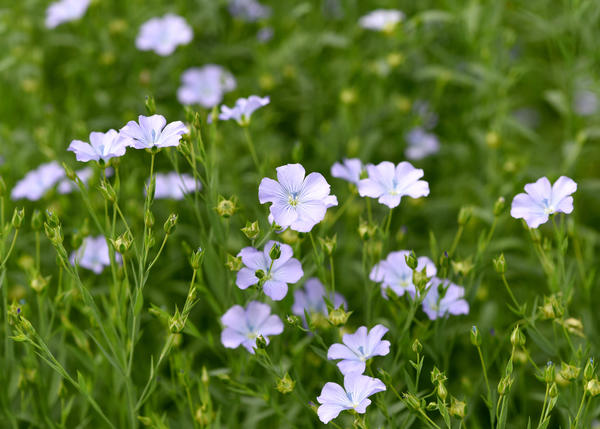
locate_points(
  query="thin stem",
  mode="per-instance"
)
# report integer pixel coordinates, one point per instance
(251, 148)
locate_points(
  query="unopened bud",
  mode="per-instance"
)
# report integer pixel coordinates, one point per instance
(275, 251)
(293, 320)
(504, 385)
(170, 223)
(260, 274)
(107, 191)
(593, 387)
(475, 336)
(500, 264)
(69, 172)
(366, 231)
(197, 258)
(37, 222)
(411, 401)
(148, 219)
(588, 371)
(464, 215)
(122, 243)
(261, 343)
(329, 244)
(442, 392)
(411, 260)
(457, 408)
(39, 283)
(416, 346)
(234, 263)
(499, 206)
(517, 338)
(553, 392)
(226, 208)
(549, 372)
(17, 218)
(150, 105)
(569, 372)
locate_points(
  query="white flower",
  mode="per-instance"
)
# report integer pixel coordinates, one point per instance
(163, 35)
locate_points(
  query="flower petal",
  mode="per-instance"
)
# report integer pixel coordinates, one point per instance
(276, 290)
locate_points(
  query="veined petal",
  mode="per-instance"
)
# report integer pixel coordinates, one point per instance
(328, 412)
(291, 177)
(370, 188)
(272, 326)
(340, 351)
(284, 214)
(348, 366)
(83, 151)
(562, 188)
(276, 290)
(270, 191)
(232, 338)
(333, 393)
(246, 278)
(390, 200)
(289, 272)
(253, 259)
(171, 135)
(315, 187)
(257, 313)
(374, 337)
(540, 190)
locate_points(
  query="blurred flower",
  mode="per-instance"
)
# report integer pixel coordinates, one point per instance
(427, 116)
(93, 254)
(450, 302)
(248, 10)
(381, 19)
(151, 132)
(349, 170)
(65, 11)
(243, 109)
(66, 185)
(265, 34)
(175, 186)
(243, 326)
(163, 35)
(274, 274)
(205, 85)
(299, 202)
(421, 144)
(542, 199)
(358, 348)
(585, 102)
(353, 396)
(37, 182)
(394, 273)
(390, 183)
(102, 146)
(311, 299)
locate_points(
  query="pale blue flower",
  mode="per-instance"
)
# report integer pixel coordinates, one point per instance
(421, 144)
(244, 325)
(353, 396)
(275, 274)
(64, 11)
(152, 133)
(349, 170)
(163, 35)
(205, 85)
(248, 10)
(174, 186)
(37, 182)
(542, 200)
(444, 298)
(381, 19)
(243, 109)
(311, 299)
(394, 273)
(390, 183)
(102, 146)
(358, 348)
(298, 202)
(93, 254)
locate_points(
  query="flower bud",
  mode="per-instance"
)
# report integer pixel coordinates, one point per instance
(176, 322)
(328, 244)
(437, 376)
(593, 387)
(588, 371)
(417, 346)
(122, 243)
(293, 320)
(226, 208)
(475, 336)
(500, 264)
(574, 326)
(457, 408)
(150, 105)
(148, 219)
(275, 251)
(339, 316)
(569, 372)
(39, 282)
(411, 260)
(251, 230)
(366, 231)
(285, 384)
(197, 258)
(107, 191)
(37, 222)
(499, 206)
(17, 218)
(517, 338)
(260, 274)
(442, 392)
(411, 401)
(170, 223)
(549, 372)
(234, 263)
(261, 343)
(553, 392)
(69, 172)
(464, 215)
(504, 385)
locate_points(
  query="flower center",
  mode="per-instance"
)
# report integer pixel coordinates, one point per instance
(548, 208)
(293, 199)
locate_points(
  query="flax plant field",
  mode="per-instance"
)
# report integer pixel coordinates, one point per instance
(299, 214)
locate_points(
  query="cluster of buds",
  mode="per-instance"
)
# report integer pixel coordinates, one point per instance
(553, 307)
(438, 378)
